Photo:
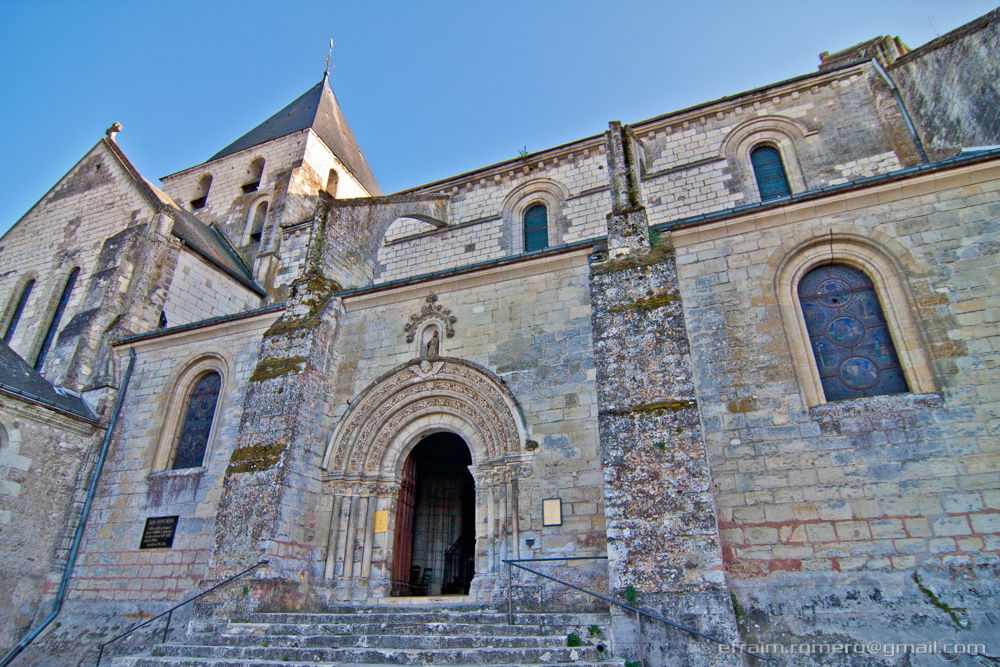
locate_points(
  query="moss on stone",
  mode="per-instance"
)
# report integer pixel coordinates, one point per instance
(741, 406)
(937, 602)
(660, 408)
(256, 458)
(268, 369)
(653, 302)
(313, 290)
(660, 252)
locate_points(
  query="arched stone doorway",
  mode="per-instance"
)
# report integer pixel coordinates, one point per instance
(435, 537)
(365, 475)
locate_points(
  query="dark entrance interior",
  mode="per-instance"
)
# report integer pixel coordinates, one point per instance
(434, 543)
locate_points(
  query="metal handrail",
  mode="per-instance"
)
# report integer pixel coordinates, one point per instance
(169, 613)
(638, 612)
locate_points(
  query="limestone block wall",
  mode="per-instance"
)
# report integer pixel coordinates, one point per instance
(829, 129)
(65, 229)
(199, 291)
(838, 517)
(42, 458)
(950, 86)
(530, 325)
(138, 483)
(485, 212)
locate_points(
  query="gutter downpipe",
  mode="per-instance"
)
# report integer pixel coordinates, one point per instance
(902, 108)
(78, 536)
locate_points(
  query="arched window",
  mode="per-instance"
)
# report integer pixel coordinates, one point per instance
(536, 228)
(254, 172)
(50, 334)
(201, 194)
(18, 311)
(854, 352)
(772, 182)
(192, 438)
(332, 180)
(257, 222)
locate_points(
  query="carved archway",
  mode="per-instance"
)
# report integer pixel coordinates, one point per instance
(466, 396)
(366, 453)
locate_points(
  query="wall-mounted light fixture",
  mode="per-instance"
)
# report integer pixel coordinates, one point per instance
(552, 512)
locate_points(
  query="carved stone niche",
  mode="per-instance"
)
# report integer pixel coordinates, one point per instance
(429, 328)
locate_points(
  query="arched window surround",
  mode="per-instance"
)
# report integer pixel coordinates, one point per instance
(253, 176)
(759, 170)
(15, 308)
(59, 306)
(248, 231)
(780, 132)
(178, 392)
(544, 191)
(879, 266)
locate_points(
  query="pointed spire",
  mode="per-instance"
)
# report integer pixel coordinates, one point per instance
(317, 108)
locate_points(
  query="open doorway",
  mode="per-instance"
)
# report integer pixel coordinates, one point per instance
(434, 543)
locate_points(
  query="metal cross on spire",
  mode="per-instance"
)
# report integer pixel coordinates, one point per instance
(329, 59)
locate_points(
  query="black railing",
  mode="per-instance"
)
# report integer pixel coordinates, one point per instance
(516, 562)
(169, 613)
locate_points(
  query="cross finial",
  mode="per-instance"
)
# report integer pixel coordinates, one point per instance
(329, 59)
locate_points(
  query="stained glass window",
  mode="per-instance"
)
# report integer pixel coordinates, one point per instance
(18, 311)
(770, 172)
(854, 351)
(197, 423)
(536, 228)
(50, 334)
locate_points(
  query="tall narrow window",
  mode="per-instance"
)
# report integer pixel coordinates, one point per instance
(332, 181)
(197, 425)
(50, 334)
(536, 228)
(18, 311)
(254, 173)
(772, 182)
(201, 194)
(854, 352)
(257, 222)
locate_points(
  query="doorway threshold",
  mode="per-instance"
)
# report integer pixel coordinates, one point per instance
(410, 600)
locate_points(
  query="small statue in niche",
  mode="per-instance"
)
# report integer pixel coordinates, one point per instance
(432, 348)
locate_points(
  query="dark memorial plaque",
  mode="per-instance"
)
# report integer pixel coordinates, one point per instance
(159, 532)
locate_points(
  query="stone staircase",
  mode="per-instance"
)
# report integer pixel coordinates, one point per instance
(371, 636)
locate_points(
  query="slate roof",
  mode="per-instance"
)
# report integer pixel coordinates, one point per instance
(19, 379)
(316, 108)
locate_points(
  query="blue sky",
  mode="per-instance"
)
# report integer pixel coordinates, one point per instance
(430, 88)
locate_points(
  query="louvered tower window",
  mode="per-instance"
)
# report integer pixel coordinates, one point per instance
(18, 311)
(50, 334)
(536, 228)
(197, 425)
(854, 352)
(772, 182)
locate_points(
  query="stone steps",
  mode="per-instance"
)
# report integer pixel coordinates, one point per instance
(458, 636)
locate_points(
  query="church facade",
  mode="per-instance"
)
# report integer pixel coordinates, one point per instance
(743, 355)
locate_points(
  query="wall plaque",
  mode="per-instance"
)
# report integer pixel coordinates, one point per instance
(159, 532)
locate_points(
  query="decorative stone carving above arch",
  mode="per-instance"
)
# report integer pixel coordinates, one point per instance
(419, 398)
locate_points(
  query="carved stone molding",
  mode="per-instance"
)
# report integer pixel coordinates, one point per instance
(443, 394)
(432, 310)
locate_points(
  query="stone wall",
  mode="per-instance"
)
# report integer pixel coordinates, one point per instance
(138, 483)
(951, 87)
(529, 324)
(199, 291)
(43, 458)
(830, 512)
(67, 228)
